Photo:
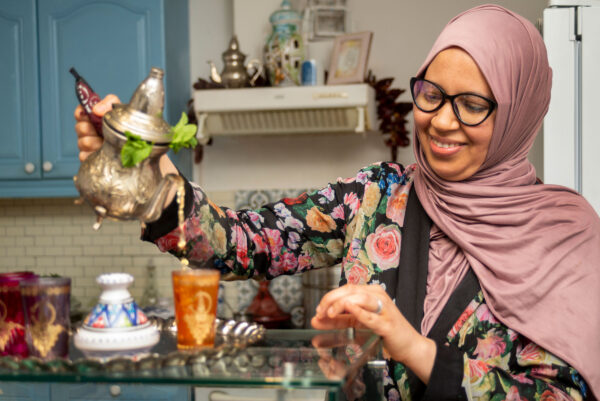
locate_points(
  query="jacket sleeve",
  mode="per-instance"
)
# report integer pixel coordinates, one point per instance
(284, 237)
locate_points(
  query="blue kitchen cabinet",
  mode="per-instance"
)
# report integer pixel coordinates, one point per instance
(111, 392)
(22, 391)
(112, 44)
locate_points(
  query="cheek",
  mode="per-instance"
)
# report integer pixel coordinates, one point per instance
(422, 120)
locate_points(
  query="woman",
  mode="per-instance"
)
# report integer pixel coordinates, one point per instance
(483, 281)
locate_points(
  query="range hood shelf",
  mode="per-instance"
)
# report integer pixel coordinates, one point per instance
(284, 111)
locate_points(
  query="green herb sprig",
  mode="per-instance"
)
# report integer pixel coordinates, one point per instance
(135, 150)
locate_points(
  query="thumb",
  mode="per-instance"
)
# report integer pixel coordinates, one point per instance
(105, 105)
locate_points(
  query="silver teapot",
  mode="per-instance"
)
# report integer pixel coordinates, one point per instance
(130, 193)
(235, 74)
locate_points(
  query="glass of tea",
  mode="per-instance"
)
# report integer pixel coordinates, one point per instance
(195, 296)
(46, 303)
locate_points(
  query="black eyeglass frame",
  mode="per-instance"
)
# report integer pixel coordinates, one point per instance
(451, 98)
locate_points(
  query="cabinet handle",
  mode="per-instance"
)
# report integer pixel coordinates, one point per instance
(29, 168)
(47, 166)
(114, 390)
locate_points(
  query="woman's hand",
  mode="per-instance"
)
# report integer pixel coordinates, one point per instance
(358, 306)
(88, 140)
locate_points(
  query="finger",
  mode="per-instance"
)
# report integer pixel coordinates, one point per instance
(105, 105)
(340, 322)
(367, 318)
(84, 155)
(85, 128)
(334, 296)
(365, 300)
(89, 143)
(80, 114)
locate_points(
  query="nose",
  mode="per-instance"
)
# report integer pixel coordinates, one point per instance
(444, 118)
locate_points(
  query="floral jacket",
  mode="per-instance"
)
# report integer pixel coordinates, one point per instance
(359, 222)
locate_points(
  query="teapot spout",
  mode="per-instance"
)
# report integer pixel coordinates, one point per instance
(169, 186)
(214, 74)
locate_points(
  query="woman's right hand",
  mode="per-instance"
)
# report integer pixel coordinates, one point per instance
(88, 140)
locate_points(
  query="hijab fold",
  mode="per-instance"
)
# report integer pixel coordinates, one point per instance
(535, 249)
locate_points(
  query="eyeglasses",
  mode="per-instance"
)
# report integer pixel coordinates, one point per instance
(470, 108)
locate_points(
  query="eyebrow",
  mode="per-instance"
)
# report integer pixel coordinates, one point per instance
(490, 96)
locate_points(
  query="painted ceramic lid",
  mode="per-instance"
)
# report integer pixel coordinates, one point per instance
(116, 323)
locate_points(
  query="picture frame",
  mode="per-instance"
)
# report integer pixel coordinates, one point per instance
(349, 58)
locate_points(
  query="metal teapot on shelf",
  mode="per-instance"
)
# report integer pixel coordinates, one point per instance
(235, 74)
(130, 193)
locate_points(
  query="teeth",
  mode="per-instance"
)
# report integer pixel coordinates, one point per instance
(445, 145)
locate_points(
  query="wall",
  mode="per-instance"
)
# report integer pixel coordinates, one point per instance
(55, 236)
(403, 34)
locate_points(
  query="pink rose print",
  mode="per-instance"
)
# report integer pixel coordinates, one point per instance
(554, 394)
(169, 241)
(231, 214)
(478, 368)
(522, 378)
(485, 315)
(353, 203)
(274, 241)
(544, 371)
(396, 205)
(338, 212)
(304, 262)
(531, 353)
(383, 246)
(201, 250)
(513, 395)
(241, 246)
(462, 319)
(490, 347)
(357, 274)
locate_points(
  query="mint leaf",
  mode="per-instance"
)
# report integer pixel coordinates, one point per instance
(135, 150)
(184, 134)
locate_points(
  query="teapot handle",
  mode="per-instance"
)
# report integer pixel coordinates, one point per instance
(258, 70)
(158, 201)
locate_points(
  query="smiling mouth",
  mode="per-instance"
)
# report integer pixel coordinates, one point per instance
(444, 148)
(445, 145)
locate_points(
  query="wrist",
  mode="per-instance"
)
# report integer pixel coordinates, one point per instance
(421, 358)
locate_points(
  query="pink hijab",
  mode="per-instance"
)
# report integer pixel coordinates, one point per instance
(534, 248)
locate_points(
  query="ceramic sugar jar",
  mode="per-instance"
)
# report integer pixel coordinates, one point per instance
(116, 325)
(284, 50)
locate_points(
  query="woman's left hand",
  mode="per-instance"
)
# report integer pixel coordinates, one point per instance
(369, 306)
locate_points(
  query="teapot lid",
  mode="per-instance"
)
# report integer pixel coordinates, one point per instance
(143, 116)
(233, 52)
(284, 14)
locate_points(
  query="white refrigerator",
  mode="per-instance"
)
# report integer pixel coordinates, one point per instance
(571, 32)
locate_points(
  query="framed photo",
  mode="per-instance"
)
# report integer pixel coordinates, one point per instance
(349, 58)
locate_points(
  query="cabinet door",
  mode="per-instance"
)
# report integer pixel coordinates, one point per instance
(110, 392)
(20, 391)
(19, 110)
(111, 43)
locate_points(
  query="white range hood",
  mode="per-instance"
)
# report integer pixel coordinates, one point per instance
(289, 110)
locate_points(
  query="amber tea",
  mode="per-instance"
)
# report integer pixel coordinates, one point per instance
(195, 295)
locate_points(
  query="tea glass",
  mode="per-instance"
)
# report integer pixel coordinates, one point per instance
(195, 294)
(47, 303)
(12, 320)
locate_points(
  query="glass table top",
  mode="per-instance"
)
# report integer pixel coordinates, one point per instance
(287, 358)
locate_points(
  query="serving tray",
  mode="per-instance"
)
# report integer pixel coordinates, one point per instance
(230, 337)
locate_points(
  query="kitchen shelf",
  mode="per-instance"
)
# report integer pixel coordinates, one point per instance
(284, 111)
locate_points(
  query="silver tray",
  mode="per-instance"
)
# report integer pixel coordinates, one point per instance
(230, 337)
